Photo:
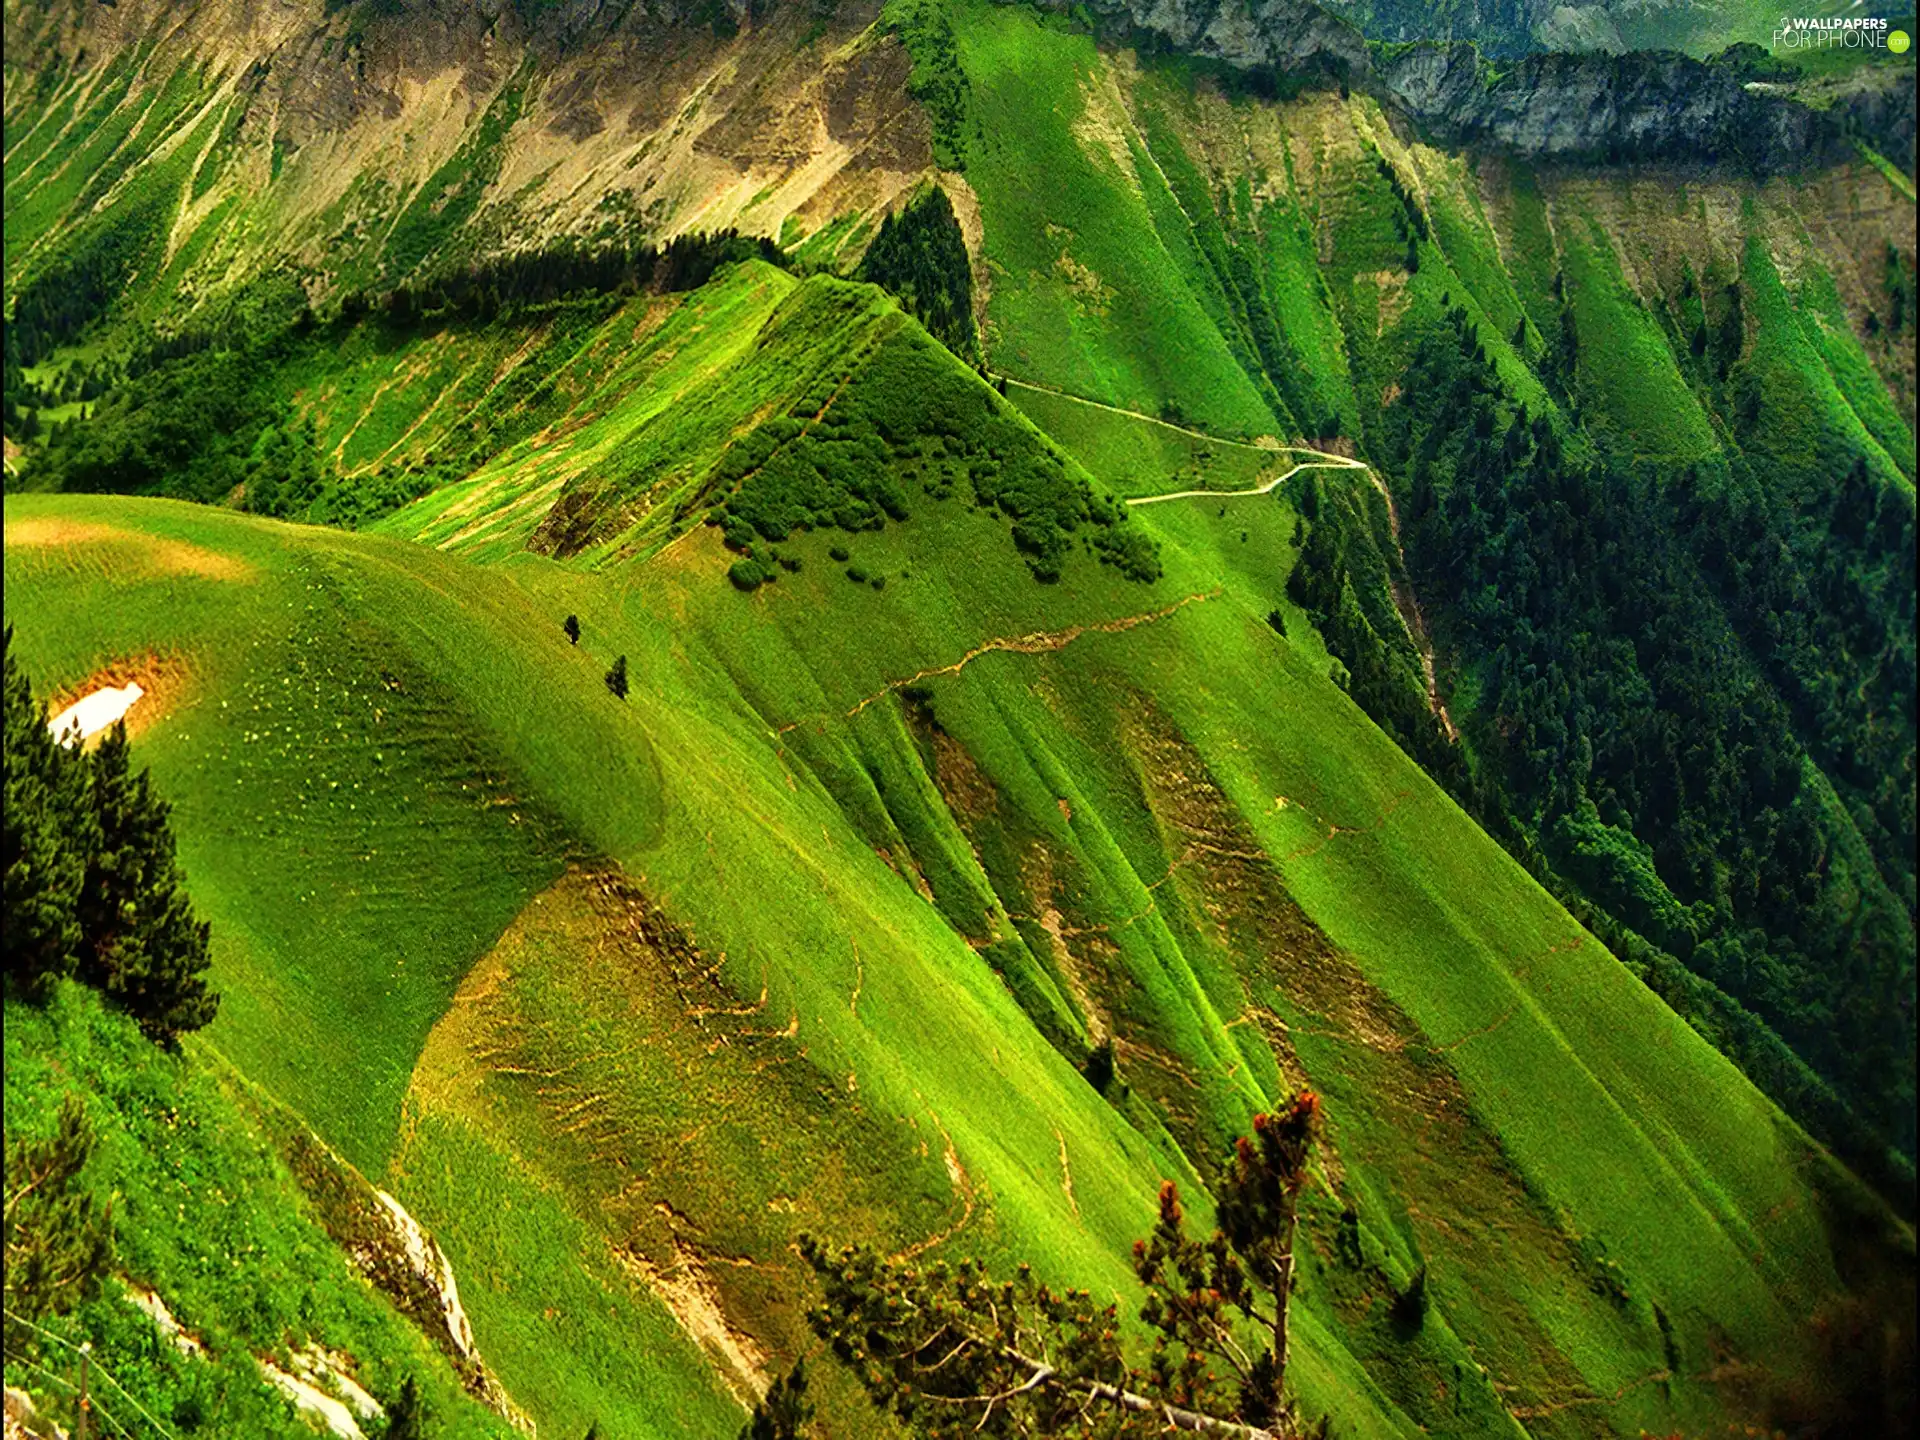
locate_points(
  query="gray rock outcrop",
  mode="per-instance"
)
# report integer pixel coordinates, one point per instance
(1611, 108)
(1283, 35)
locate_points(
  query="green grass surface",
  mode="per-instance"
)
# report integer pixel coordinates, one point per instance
(815, 931)
(207, 1215)
(1816, 390)
(826, 827)
(1468, 958)
(1132, 458)
(1626, 366)
(1092, 276)
(1896, 177)
(348, 766)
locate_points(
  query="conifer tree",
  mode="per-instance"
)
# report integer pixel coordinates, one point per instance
(784, 1411)
(956, 1353)
(407, 1416)
(44, 841)
(617, 678)
(1098, 1066)
(920, 255)
(140, 943)
(59, 1238)
(572, 626)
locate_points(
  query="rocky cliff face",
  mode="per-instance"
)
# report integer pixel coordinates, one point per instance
(1609, 108)
(1285, 35)
(1511, 28)
(1883, 115)
(1575, 107)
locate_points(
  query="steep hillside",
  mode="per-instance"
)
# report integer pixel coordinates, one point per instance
(874, 871)
(150, 161)
(231, 1293)
(1151, 905)
(676, 758)
(1721, 346)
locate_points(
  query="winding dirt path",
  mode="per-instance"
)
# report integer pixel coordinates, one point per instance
(1039, 642)
(1329, 462)
(1269, 448)
(1404, 601)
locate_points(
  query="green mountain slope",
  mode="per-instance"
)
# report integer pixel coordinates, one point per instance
(849, 799)
(1497, 716)
(1645, 323)
(378, 144)
(215, 1222)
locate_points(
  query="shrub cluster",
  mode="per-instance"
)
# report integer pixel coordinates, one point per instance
(844, 454)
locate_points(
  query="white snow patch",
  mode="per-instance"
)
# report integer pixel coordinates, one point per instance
(87, 717)
(312, 1400)
(430, 1263)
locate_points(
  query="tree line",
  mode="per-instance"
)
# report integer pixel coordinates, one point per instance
(1658, 656)
(59, 303)
(481, 290)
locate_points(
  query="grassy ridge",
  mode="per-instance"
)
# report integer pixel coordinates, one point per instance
(776, 407)
(818, 928)
(755, 842)
(1187, 994)
(336, 746)
(1511, 992)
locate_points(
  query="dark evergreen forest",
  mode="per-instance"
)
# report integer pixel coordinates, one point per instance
(1654, 658)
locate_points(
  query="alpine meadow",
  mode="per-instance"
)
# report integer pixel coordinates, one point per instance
(864, 719)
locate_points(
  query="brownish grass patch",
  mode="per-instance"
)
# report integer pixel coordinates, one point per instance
(155, 553)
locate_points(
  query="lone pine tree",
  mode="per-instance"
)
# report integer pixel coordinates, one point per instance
(59, 1238)
(956, 1353)
(617, 678)
(141, 944)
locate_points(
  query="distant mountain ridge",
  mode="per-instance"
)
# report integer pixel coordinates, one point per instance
(1584, 104)
(1502, 28)
(364, 140)
(1612, 109)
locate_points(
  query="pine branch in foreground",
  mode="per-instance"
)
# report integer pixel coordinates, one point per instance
(957, 1353)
